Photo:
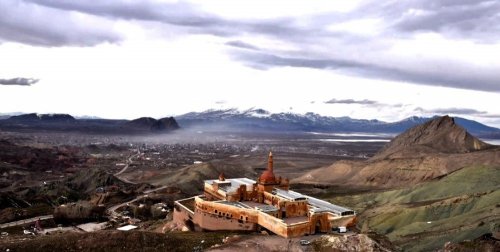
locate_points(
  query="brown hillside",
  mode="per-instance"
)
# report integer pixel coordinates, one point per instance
(425, 152)
(441, 135)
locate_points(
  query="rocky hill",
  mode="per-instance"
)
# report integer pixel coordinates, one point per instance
(67, 123)
(431, 185)
(441, 135)
(42, 118)
(425, 152)
(151, 124)
(190, 178)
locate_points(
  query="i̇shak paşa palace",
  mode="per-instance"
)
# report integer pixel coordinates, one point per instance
(265, 204)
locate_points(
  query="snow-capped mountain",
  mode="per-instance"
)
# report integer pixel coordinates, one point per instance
(262, 120)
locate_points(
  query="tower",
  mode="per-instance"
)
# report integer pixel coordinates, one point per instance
(270, 162)
(267, 181)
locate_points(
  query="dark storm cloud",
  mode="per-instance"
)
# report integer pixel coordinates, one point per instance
(352, 101)
(37, 25)
(19, 81)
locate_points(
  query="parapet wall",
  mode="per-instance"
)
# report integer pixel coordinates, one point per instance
(183, 216)
(210, 215)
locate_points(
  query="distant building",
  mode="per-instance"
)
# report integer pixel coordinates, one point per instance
(265, 204)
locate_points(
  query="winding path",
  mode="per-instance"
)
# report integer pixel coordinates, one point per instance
(129, 161)
(127, 165)
(26, 221)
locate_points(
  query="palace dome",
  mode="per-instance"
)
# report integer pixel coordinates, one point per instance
(267, 177)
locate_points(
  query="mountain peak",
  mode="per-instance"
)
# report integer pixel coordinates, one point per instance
(43, 117)
(441, 135)
(148, 123)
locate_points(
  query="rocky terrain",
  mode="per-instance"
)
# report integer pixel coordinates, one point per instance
(460, 206)
(432, 150)
(323, 243)
(33, 117)
(439, 184)
(425, 188)
(67, 123)
(151, 124)
(485, 243)
(358, 242)
(441, 135)
(114, 241)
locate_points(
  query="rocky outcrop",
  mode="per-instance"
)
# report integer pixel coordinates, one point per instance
(441, 135)
(356, 242)
(151, 124)
(33, 117)
(78, 212)
(169, 123)
(484, 243)
(425, 152)
(67, 123)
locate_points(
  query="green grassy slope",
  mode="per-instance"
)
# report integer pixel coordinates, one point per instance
(462, 205)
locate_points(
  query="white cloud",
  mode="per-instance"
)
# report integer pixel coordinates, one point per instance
(163, 64)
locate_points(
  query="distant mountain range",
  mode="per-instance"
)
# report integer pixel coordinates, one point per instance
(65, 122)
(261, 120)
(230, 120)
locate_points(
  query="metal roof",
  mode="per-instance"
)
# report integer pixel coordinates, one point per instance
(324, 206)
(290, 195)
(266, 208)
(234, 184)
(317, 205)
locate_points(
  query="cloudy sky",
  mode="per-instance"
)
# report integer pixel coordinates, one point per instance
(365, 59)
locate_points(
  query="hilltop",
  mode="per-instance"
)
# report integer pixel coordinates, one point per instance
(66, 123)
(151, 124)
(42, 118)
(425, 152)
(432, 184)
(441, 135)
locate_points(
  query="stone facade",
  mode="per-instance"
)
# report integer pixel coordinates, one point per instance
(248, 205)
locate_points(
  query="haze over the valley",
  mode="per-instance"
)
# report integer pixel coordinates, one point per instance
(364, 59)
